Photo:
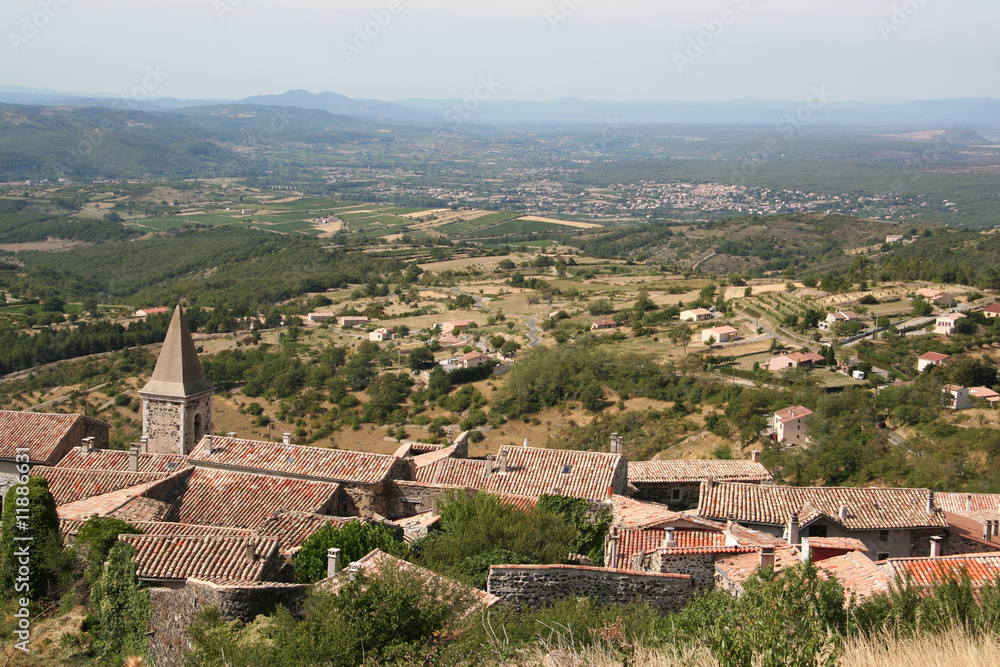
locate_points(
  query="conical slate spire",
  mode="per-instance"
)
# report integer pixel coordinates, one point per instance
(178, 369)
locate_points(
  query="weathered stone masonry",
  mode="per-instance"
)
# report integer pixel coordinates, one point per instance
(173, 611)
(537, 585)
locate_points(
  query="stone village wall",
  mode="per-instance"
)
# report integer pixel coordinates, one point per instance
(172, 611)
(536, 585)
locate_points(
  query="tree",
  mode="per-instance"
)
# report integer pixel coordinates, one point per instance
(600, 307)
(44, 548)
(711, 341)
(120, 605)
(509, 347)
(420, 357)
(921, 308)
(681, 335)
(355, 539)
(592, 396)
(748, 291)
(94, 541)
(643, 303)
(506, 264)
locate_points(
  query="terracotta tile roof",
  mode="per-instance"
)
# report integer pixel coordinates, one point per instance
(867, 508)
(801, 357)
(116, 459)
(142, 508)
(533, 472)
(109, 504)
(520, 502)
(212, 556)
(992, 308)
(605, 322)
(934, 356)
(983, 392)
(431, 457)
(753, 538)
(70, 527)
(794, 412)
(294, 528)
(378, 560)
(605, 570)
(844, 543)
(981, 568)
(295, 460)
(245, 500)
(963, 503)
(725, 330)
(633, 541)
(68, 485)
(667, 472)
(632, 513)
(470, 473)
(40, 433)
(737, 568)
(860, 577)
(424, 448)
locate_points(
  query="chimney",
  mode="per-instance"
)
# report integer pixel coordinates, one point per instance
(793, 529)
(503, 461)
(525, 442)
(843, 511)
(669, 542)
(231, 434)
(489, 465)
(143, 445)
(755, 457)
(936, 546)
(987, 529)
(286, 438)
(968, 502)
(251, 552)
(767, 557)
(620, 448)
(332, 562)
(613, 539)
(709, 483)
(133, 459)
(806, 550)
(614, 443)
(208, 445)
(930, 502)
(87, 444)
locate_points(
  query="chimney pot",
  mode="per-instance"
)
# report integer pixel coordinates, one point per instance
(133, 459)
(935, 546)
(987, 529)
(806, 550)
(251, 552)
(525, 442)
(208, 445)
(332, 562)
(755, 457)
(144, 445)
(88, 444)
(503, 461)
(286, 438)
(489, 465)
(968, 502)
(843, 511)
(614, 443)
(767, 557)
(930, 502)
(231, 434)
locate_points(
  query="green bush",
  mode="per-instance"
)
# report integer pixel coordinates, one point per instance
(355, 539)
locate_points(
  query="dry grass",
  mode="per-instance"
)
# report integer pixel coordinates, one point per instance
(954, 648)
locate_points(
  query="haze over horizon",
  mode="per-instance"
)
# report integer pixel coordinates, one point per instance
(630, 50)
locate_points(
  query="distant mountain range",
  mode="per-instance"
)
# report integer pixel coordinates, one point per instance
(983, 112)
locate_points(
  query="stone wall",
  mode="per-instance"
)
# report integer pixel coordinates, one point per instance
(690, 492)
(173, 611)
(404, 498)
(956, 544)
(536, 585)
(168, 422)
(364, 500)
(700, 566)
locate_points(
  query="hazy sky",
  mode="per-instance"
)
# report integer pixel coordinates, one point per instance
(865, 50)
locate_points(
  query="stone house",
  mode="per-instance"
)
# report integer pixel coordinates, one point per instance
(170, 560)
(677, 484)
(889, 522)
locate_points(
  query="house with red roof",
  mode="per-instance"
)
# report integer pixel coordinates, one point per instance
(992, 310)
(677, 484)
(928, 359)
(789, 425)
(723, 334)
(795, 360)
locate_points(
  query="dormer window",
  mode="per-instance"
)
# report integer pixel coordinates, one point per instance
(566, 469)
